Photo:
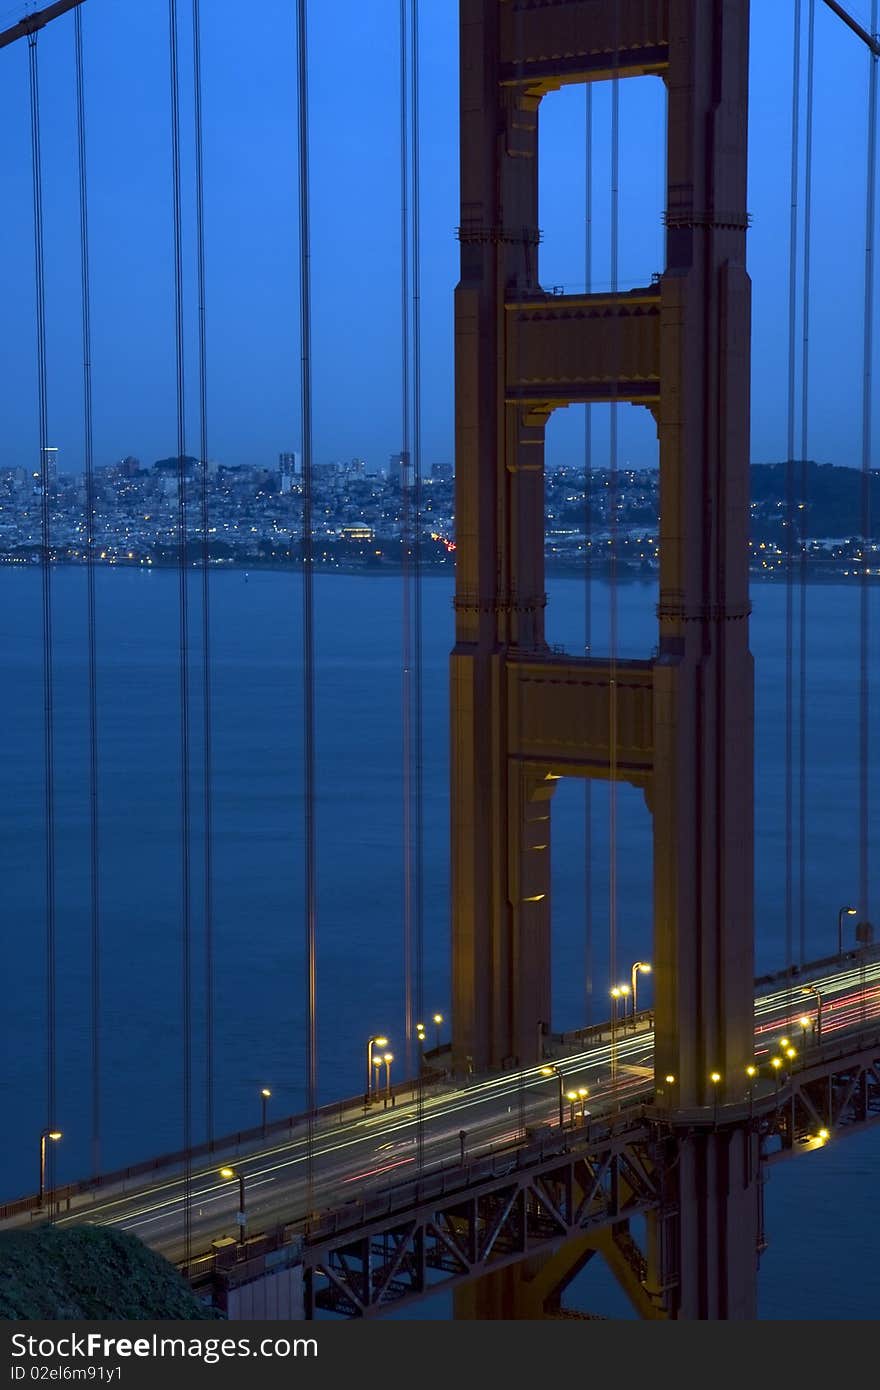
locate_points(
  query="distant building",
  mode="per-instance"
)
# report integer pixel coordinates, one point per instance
(50, 464)
(442, 472)
(400, 469)
(289, 467)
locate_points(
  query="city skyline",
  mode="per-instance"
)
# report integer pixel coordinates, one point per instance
(251, 244)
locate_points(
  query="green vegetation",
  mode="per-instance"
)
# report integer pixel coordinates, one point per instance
(89, 1272)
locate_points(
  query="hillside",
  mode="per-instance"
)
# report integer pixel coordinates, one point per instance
(89, 1272)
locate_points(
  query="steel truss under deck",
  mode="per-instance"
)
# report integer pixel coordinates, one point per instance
(584, 1185)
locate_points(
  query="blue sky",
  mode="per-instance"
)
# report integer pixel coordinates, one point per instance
(249, 66)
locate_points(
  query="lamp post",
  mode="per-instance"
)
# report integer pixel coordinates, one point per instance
(231, 1174)
(265, 1093)
(377, 1063)
(583, 1093)
(388, 1058)
(54, 1135)
(438, 1019)
(844, 912)
(715, 1078)
(624, 995)
(776, 1063)
(645, 967)
(751, 1073)
(554, 1071)
(380, 1041)
(817, 993)
(805, 1025)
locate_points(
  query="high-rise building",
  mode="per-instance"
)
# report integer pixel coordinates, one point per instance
(50, 464)
(442, 472)
(289, 467)
(400, 469)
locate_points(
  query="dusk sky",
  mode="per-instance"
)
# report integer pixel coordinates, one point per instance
(249, 67)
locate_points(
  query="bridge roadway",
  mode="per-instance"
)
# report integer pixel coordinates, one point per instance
(371, 1152)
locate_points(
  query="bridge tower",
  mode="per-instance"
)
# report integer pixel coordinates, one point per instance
(680, 725)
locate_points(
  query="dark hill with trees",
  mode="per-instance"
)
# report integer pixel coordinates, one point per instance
(89, 1272)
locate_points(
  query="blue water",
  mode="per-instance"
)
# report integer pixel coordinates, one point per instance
(819, 1264)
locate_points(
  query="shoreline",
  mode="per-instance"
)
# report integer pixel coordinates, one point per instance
(815, 574)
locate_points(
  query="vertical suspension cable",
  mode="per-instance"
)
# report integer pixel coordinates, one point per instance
(207, 773)
(789, 497)
(588, 567)
(406, 526)
(94, 824)
(183, 635)
(46, 606)
(866, 519)
(803, 510)
(417, 713)
(308, 603)
(613, 530)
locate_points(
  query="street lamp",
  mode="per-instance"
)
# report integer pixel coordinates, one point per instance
(805, 1024)
(54, 1135)
(751, 1073)
(231, 1174)
(388, 1059)
(380, 1042)
(844, 912)
(554, 1071)
(645, 968)
(814, 990)
(776, 1063)
(265, 1093)
(583, 1093)
(572, 1098)
(715, 1078)
(438, 1019)
(624, 994)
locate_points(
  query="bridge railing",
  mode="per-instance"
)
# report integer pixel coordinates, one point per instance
(338, 1110)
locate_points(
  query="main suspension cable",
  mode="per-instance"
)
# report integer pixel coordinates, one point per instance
(183, 633)
(46, 481)
(207, 710)
(91, 636)
(308, 606)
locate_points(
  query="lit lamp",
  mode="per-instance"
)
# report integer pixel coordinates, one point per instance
(715, 1078)
(438, 1019)
(54, 1135)
(232, 1175)
(265, 1093)
(844, 912)
(554, 1071)
(817, 995)
(583, 1093)
(776, 1063)
(388, 1058)
(645, 968)
(380, 1042)
(572, 1098)
(751, 1073)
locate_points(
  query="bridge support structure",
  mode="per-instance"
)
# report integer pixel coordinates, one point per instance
(681, 724)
